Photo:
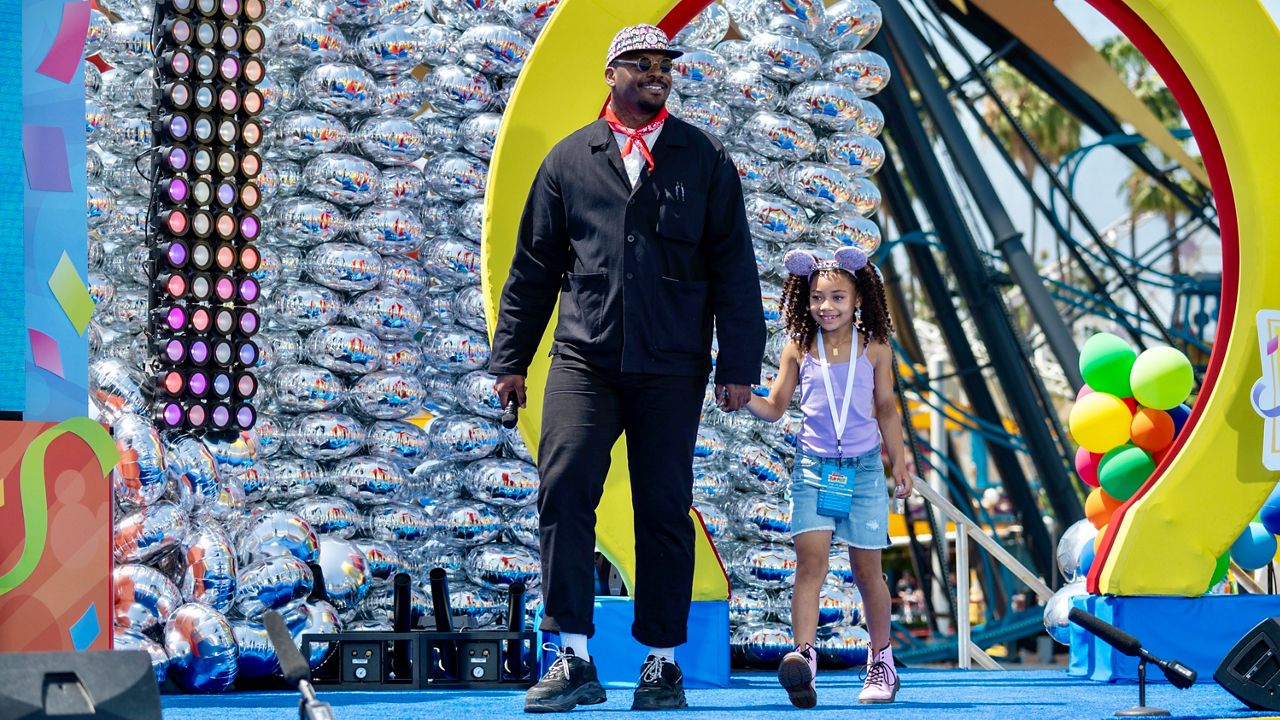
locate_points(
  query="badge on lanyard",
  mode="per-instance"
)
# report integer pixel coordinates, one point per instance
(839, 418)
(835, 495)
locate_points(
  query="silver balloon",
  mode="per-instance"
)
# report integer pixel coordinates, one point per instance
(402, 186)
(847, 228)
(344, 349)
(124, 639)
(523, 526)
(499, 565)
(840, 569)
(276, 533)
(307, 388)
(144, 597)
(479, 606)
(279, 94)
(256, 483)
(202, 649)
(313, 618)
(272, 583)
(714, 519)
(494, 49)
(775, 219)
(769, 566)
(128, 45)
(329, 515)
(479, 134)
(116, 389)
(305, 42)
(502, 481)
(468, 308)
(763, 644)
(844, 646)
(530, 16)
(709, 445)
(346, 576)
(710, 483)
(437, 311)
(379, 606)
(457, 91)
(708, 114)
(475, 392)
(390, 140)
(190, 462)
(306, 134)
(344, 266)
(850, 24)
(1056, 621)
(387, 395)
(269, 272)
(825, 104)
(389, 230)
(208, 567)
(257, 655)
(461, 437)
(872, 120)
(228, 507)
(763, 517)
(779, 137)
(389, 49)
(338, 88)
(784, 58)
(138, 479)
(454, 349)
(368, 480)
(864, 196)
(818, 186)
(128, 313)
(442, 132)
(705, 30)
(858, 155)
(128, 134)
(452, 259)
(233, 452)
(343, 179)
(100, 205)
(465, 522)
(390, 316)
(144, 534)
(404, 356)
(398, 522)
(403, 443)
(1071, 545)
(279, 179)
(96, 36)
(290, 478)
(435, 480)
(278, 347)
(382, 561)
(325, 436)
(864, 71)
(697, 73)
(463, 14)
(757, 173)
(456, 176)
(444, 555)
(749, 605)
(399, 95)
(303, 306)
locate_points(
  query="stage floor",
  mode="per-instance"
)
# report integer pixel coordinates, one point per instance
(925, 695)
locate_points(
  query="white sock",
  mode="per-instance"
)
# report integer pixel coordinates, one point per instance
(577, 643)
(668, 653)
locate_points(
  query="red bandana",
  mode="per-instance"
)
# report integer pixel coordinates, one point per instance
(635, 135)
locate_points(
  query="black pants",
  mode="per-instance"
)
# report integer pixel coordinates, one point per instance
(585, 410)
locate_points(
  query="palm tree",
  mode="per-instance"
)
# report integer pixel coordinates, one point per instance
(1052, 130)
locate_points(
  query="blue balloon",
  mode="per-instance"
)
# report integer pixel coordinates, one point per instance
(1086, 560)
(1255, 547)
(1270, 512)
(1179, 415)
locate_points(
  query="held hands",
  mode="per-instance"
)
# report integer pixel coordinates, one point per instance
(509, 387)
(732, 397)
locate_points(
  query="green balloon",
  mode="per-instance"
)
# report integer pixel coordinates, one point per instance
(1105, 363)
(1220, 570)
(1123, 470)
(1162, 378)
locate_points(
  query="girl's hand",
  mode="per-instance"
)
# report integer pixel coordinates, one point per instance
(903, 482)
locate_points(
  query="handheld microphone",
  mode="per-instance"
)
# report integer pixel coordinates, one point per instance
(295, 669)
(510, 414)
(1179, 675)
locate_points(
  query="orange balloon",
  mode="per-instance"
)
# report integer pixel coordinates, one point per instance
(1151, 430)
(1098, 507)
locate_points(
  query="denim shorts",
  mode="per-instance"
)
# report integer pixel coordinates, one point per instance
(867, 525)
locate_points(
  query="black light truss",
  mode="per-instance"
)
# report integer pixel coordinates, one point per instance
(203, 227)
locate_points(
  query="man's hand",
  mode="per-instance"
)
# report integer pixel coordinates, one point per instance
(508, 387)
(732, 397)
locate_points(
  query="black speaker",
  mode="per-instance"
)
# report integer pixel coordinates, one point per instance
(1251, 670)
(110, 685)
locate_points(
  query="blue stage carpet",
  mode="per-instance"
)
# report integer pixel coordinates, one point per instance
(925, 695)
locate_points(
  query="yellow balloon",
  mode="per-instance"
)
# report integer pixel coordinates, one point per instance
(1100, 422)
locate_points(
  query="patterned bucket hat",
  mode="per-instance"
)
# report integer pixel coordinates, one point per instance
(640, 37)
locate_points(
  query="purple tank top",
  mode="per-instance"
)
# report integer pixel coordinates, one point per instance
(818, 434)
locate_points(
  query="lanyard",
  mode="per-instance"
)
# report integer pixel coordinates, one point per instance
(841, 418)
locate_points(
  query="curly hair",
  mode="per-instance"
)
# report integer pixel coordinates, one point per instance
(875, 325)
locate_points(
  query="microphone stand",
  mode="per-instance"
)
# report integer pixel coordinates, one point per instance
(310, 708)
(1142, 710)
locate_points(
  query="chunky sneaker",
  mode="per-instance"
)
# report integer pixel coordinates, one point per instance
(569, 682)
(881, 683)
(798, 673)
(661, 686)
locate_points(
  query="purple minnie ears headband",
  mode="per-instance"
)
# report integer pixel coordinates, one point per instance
(805, 264)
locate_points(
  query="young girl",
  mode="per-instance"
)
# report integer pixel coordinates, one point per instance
(838, 321)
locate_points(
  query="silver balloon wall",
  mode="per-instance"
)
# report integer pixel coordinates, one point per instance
(377, 448)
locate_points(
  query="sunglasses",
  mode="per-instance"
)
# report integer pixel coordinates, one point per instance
(645, 64)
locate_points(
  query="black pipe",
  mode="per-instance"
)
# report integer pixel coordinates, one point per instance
(440, 600)
(514, 651)
(402, 621)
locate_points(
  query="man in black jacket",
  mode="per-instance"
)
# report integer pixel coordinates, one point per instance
(636, 223)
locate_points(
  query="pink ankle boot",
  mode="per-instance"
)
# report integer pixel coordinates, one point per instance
(798, 673)
(881, 684)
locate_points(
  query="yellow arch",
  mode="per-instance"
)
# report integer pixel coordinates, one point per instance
(560, 90)
(1168, 538)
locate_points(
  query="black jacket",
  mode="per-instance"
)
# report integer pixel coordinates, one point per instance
(642, 274)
